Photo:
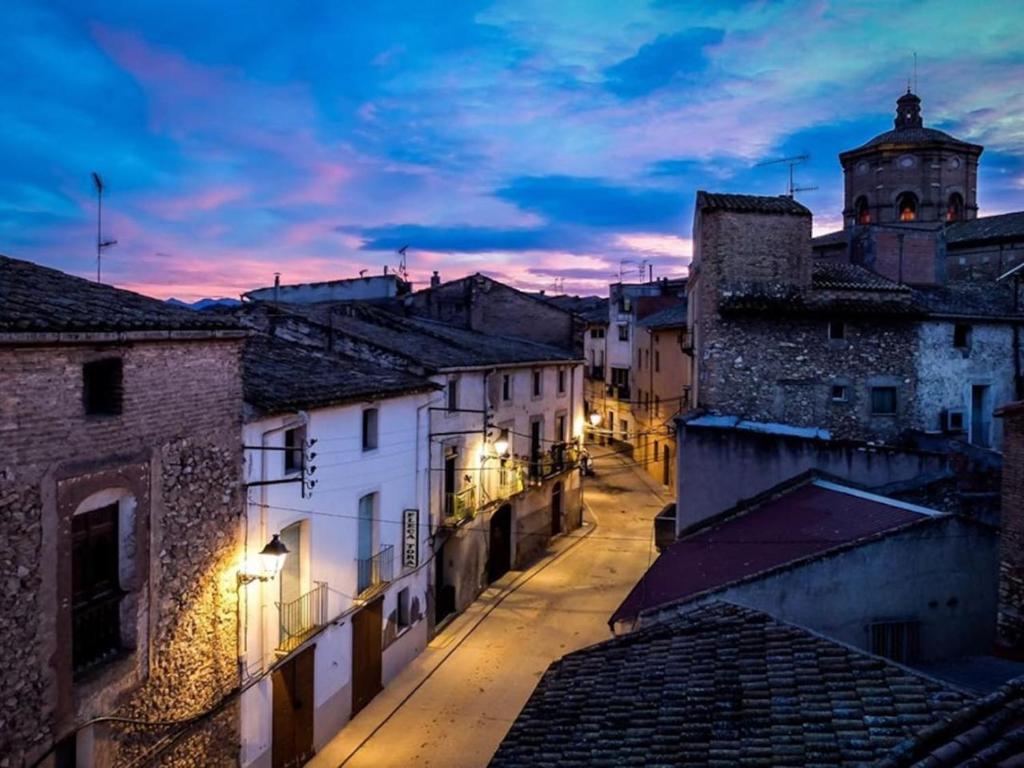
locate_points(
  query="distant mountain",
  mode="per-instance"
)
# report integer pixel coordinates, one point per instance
(205, 303)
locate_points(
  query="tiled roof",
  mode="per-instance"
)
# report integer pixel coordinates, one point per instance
(987, 299)
(749, 203)
(284, 376)
(787, 301)
(988, 731)
(837, 276)
(666, 318)
(36, 299)
(593, 309)
(721, 686)
(786, 526)
(912, 136)
(433, 344)
(1005, 226)
(838, 237)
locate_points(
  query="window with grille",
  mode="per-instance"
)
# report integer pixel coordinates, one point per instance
(896, 640)
(294, 454)
(883, 401)
(95, 588)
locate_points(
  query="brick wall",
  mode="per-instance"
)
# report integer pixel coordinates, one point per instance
(1010, 622)
(177, 449)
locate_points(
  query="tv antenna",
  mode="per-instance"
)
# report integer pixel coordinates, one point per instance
(641, 267)
(792, 162)
(100, 242)
(403, 270)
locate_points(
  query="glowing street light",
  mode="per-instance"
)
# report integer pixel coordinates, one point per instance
(271, 560)
(595, 418)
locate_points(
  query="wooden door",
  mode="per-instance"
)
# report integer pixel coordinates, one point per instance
(293, 711)
(499, 558)
(367, 626)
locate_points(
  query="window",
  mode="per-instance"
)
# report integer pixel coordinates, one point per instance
(560, 427)
(624, 429)
(506, 387)
(623, 332)
(295, 444)
(961, 336)
(883, 401)
(657, 450)
(840, 393)
(538, 381)
(367, 575)
(861, 210)
(95, 588)
(836, 330)
(896, 640)
(102, 387)
(404, 620)
(955, 208)
(657, 405)
(639, 359)
(597, 333)
(561, 381)
(370, 429)
(453, 395)
(657, 361)
(906, 207)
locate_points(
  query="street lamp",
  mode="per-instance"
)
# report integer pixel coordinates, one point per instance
(595, 418)
(271, 560)
(501, 445)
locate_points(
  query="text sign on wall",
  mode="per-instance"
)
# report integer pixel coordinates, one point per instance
(410, 538)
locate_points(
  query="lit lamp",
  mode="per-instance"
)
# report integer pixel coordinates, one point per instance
(501, 446)
(270, 559)
(595, 418)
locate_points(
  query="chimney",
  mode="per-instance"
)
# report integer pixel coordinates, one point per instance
(1010, 612)
(435, 279)
(277, 285)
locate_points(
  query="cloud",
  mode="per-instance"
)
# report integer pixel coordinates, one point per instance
(594, 202)
(464, 239)
(676, 57)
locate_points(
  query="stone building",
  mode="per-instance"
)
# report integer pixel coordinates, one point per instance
(1010, 624)
(120, 504)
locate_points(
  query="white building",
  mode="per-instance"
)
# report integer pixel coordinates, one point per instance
(336, 468)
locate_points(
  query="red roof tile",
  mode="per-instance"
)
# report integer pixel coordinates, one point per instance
(802, 522)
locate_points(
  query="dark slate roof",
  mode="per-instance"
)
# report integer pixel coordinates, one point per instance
(593, 309)
(786, 300)
(750, 203)
(968, 299)
(988, 731)
(788, 525)
(431, 343)
(666, 318)
(838, 237)
(913, 136)
(36, 299)
(721, 686)
(284, 376)
(835, 276)
(1008, 226)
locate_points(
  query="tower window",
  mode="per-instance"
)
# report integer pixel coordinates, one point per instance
(906, 207)
(955, 209)
(863, 213)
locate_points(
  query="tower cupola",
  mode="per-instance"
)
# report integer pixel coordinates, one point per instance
(908, 112)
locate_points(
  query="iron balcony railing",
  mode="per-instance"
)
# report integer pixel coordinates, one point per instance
(301, 617)
(96, 632)
(460, 506)
(373, 571)
(557, 459)
(618, 391)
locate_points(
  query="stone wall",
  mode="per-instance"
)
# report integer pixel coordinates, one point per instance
(1010, 622)
(173, 458)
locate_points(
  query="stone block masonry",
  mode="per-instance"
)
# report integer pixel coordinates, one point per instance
(1010, 621)
(171, 463)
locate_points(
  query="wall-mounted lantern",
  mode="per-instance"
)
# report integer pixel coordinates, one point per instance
(595, 418)
(501, 446)
(270, 561)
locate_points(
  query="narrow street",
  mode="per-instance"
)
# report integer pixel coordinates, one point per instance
(454, 704)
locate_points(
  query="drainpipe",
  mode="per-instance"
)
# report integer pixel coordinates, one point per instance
(1017, 380)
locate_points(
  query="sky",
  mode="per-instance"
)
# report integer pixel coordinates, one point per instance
(531, 140)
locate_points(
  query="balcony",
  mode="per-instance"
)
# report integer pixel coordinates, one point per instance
(460, 506)
(618, 391)
(300, 618)
(96, 632)
(559, 458)
(372, 572)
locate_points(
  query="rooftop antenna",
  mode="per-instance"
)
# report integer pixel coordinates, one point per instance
(792, 162)
(100, 242)
(403, 270)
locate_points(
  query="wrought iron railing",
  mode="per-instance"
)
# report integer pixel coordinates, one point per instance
(557, 459)
(460, 506)
(618, 391)
(301, 617)
(95, 632)
(376, 570)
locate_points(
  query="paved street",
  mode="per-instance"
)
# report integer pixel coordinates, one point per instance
(454, 704)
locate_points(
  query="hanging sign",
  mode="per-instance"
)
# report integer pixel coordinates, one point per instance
(410, 538)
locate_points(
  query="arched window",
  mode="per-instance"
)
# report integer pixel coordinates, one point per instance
(906, 206)
(955, 209)
(862, 212)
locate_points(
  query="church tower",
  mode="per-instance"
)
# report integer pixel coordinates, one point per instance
(910, 176)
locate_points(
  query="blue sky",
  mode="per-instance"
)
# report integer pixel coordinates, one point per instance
(530, 140)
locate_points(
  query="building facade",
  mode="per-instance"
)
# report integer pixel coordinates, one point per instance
(121, 509)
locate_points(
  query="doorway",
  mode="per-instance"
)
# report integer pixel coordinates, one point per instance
(666, 466)
(499, 558)
(980, 415)
(292, 723)
(556, 509)
(367, 626)
(444, 593)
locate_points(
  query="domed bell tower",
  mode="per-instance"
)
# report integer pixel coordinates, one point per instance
(910, 176)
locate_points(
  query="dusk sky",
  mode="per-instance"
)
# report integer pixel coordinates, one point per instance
(529, 140)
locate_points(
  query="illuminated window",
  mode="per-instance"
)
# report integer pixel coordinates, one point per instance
(862, 211)
(955, 209)
(906, 206)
